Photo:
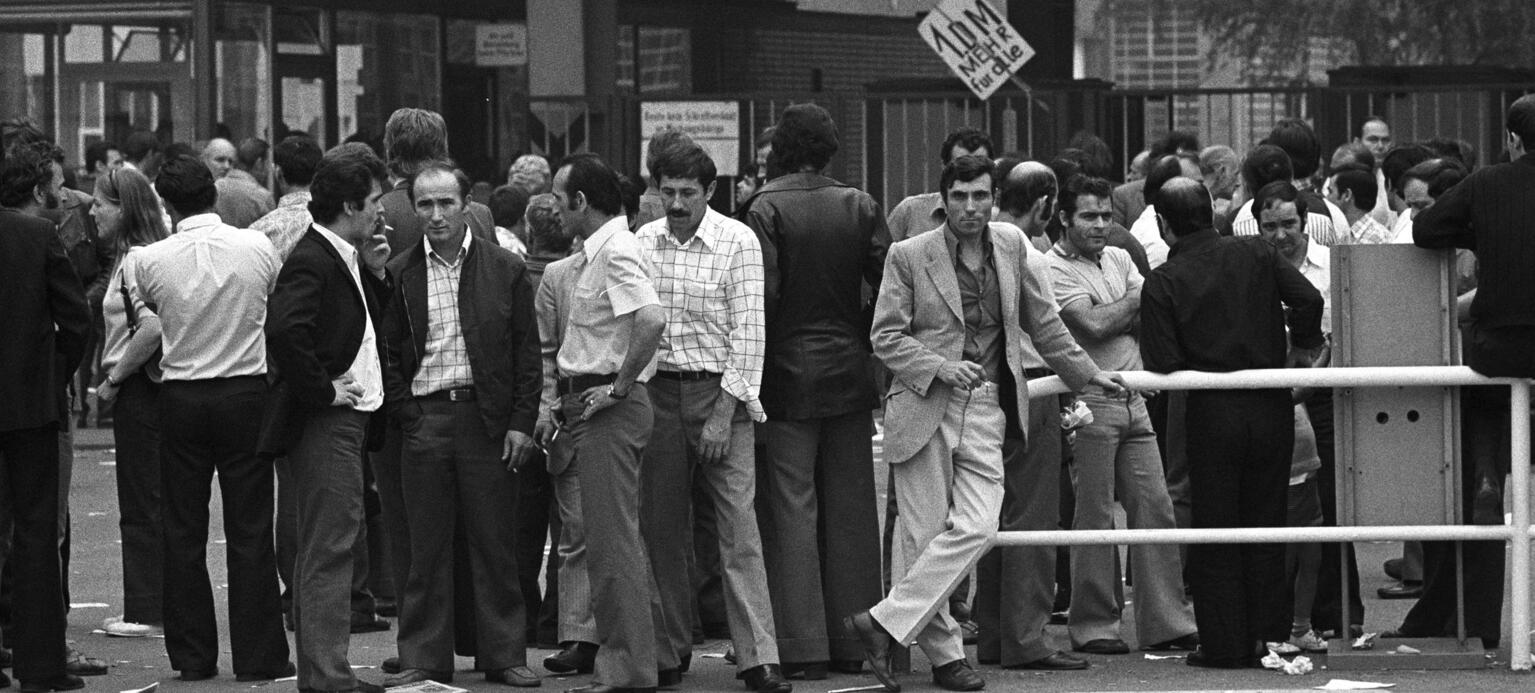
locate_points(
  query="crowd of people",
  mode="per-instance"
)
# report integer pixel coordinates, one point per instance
(451, 381)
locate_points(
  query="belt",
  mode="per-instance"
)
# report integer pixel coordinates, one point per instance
(457, 394)
(687, 375)
(577, 383)
(1037, 373)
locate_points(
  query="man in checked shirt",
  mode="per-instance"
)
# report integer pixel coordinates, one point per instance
(709, 370)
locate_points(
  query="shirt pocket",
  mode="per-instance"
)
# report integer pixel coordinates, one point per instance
(589, 305)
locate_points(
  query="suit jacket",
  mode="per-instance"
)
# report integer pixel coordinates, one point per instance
(1128, 201)
(46, 318)
(919, 325)
(314, 329)
(495, 310)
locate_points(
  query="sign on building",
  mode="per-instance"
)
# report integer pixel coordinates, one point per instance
(714, 125)
(501, 45)
(977, 43)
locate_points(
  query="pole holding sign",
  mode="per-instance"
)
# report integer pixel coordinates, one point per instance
(977, 43)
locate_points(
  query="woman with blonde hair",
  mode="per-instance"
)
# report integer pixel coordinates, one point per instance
(127, 213)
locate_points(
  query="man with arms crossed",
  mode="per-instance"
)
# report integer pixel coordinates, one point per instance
(949, 325)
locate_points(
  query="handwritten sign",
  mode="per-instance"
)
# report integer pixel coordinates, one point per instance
(714, 125)
(977, 43)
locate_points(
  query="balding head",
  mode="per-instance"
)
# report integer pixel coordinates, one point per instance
(1024, 187)
(1184, 204)
(219, 157)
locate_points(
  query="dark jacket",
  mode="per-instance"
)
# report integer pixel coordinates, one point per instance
(46, 321)
(92, 256)
(314, 329)
(495, 309)
(823, 253)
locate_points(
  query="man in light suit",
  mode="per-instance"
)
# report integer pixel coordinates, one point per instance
(953, 312)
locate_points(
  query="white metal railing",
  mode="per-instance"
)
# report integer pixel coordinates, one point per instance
(1518, 531)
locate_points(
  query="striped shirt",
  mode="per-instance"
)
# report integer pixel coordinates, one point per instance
(711, 288)
(446, 363)
(1318, 226)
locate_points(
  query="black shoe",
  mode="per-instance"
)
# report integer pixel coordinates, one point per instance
(1487, 507)
(1393, 568)
(576, 658)
(958, 676)
(196, 674)
(282, 672)
(366, 623)
(519, 677)
(809, 671)
(666, 678)
(766, 678)
(685, 662)
(1104, 646)
(386, 607)
(969, 632)
(1060, 661)
(62, 682)
(852, 667)
(78, 664)
(876, 646)
(1198, 658)
(1188, 642)
(1402, 590)
(390, 666)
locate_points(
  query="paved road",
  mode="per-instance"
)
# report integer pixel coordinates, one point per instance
(97, 593)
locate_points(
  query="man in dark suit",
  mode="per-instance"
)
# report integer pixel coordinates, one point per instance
(47, 325)
(322, 332)
(462, 381)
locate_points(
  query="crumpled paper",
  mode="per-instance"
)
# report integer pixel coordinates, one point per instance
(1293, 667)
(1364, 642)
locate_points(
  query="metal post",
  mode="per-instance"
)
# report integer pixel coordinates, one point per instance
(1519, 417)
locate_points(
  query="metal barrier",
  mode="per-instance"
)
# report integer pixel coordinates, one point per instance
(1518, 531)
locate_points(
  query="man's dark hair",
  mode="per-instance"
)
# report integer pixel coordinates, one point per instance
(1080, 185)
(806, 136)
(1065, 169)
(1439, 174)
(441, 166)
(186, 185)
(1097, 158)
(1175, 141)
(1265, 164)
(414, 137)
(140, 144)
(765, 137)
(1017, 194)
(1299, 141)
(25, 168)
(250, 152)
(964, 170)
(683, 160)
(1398, 160)
(297, 156)
(660, 144)
(1185, 205)
(1278, 192)
(1371, 118)
(969, 138)
(1361, 184)
(1158, 173)
(176, 149)
(1521, 120)
(21, 130)
(96, 153)
(1460, 151)
(507, 205)
(1351, 156)
(346, 174)
(595, 180)
(632, 189)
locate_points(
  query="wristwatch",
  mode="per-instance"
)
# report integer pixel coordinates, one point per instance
(613, 393)
(113, 382)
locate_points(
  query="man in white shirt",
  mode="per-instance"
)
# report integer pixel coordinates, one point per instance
(1145, 228)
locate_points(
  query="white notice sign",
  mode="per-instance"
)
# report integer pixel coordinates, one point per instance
(977, 43)
(501, 45)
(714, 125)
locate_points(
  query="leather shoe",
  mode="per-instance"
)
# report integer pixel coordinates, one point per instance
(809, 671)
(391, 665)
(1198, 658)
(766, 678)
(576, 658)
(1401, 590)
(76, 663)
(667, 678)
(604, 688)
(518, 676)
(876, 646)
(1104, 646)
(196, 674)
(1393, 568)
(1188, 642)
(62, 682)
(285, 671)
(410, 676)
(958, 676)
(1060, 661)
(367, 623)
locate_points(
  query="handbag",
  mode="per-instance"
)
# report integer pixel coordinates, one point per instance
(151, 367)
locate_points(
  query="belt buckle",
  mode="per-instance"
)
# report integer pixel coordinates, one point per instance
(460, 395)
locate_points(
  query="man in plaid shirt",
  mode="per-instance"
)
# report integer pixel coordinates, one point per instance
(709, 279)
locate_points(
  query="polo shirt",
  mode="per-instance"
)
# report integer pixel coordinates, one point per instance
(1075, 277)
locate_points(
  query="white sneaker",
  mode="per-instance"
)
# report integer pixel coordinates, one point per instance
(119, 628)
(1282, 648)
(1309, 641)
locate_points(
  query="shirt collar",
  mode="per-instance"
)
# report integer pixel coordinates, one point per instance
(707, 232)
(462, 252)
(342, 246)
(1317, 255)
(198, 222)
(937, 212)
(294, 199)
(1065, 250)
(606, 231)
(952, 242)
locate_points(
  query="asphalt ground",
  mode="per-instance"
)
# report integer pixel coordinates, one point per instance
(137, 663)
